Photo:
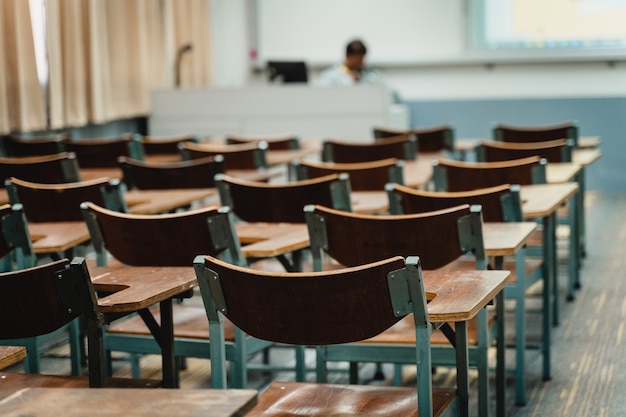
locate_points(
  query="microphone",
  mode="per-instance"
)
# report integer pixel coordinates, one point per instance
(179, 55)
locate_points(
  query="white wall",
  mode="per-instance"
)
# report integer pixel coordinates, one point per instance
(451, 73)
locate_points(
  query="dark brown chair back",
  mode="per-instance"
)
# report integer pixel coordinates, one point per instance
(195, 173)
(240, 156)
(161, 239)
(274, 143)
(49, 169)
(36, 145)
(344, 152)
(163, 145)
(514, 133)
(275, 203)
(100, 152)
(439, 237)
(555, 151)
(363, 175)
(429, 139)
(451, 175)
(61, 202)
(499, 204)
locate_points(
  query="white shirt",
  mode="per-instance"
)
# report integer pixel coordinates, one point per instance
(340, 75)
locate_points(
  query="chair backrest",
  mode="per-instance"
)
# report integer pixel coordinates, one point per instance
(240, 156)
(555, 151)
(363, 175)
(499, 204)
(37, 145)
(276, 203)
(39, 300)
(61, 202)
(274, 143)
(195, 173)
(404, 147)
(313, 308)
(15, 237)
(54, 168)
(516, 133)
(162, 239)
(450, 175)
(155, 145)
(429, 139)
(439, 237)
(102, 152)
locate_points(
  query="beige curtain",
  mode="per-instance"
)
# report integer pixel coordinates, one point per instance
(104, 58)
(22, 104)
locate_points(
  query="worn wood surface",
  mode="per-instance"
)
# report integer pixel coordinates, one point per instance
(78, 402)
(540, 200)
(502, 239)
(10, 355)
(138, 287)
(264, 240)
(49, 237)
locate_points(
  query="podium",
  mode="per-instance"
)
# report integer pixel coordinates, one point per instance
(346, 112)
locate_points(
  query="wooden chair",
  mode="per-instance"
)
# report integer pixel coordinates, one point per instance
(282, 203)
(363, 175)
(441, 237)
(451, 175)
(357, 303)
(103, 152)
(171, 240)
(429, 139)
(35, 145)
(554, 151)
(534, 133)
(499, 204)
(54, 168)
(61, 202)
(40, 300)
(240, 156)
(195, 173)
(274, 143)
(16, 247)
(162, 145)
(347, 152)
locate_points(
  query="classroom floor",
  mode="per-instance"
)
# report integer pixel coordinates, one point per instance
(588, 355)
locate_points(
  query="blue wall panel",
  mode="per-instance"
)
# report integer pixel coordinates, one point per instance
(604, 117)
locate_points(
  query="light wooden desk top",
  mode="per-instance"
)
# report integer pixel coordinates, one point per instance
(265, 240)
(541, 200)
(501, 239)
(459, 295)
(140, 402)
(586, 156)
(161, 201)
(137, 287)
(588, 142)
(10, 355)
(562, 172)
(51, 237)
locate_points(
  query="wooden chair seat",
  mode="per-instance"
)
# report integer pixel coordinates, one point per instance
(16, 381)
(298, 399)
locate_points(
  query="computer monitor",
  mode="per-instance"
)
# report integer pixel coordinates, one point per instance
(287, 71)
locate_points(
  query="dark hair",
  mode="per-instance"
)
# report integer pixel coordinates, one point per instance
(356, 47)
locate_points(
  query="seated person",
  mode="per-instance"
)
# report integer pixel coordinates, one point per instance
(352, 71)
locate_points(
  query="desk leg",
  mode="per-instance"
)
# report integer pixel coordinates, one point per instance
(573, 255)
(549, 299)
(462, 366)
(170, 373)
(500, 349)
(580, 178)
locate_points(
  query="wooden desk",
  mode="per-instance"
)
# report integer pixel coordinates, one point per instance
(585, 142)
(162, 201)
(57, 237)
(135, 289)
(140, 402)
(10, 355)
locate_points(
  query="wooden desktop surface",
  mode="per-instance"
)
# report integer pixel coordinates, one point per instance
(140, 402)
(10, 355)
